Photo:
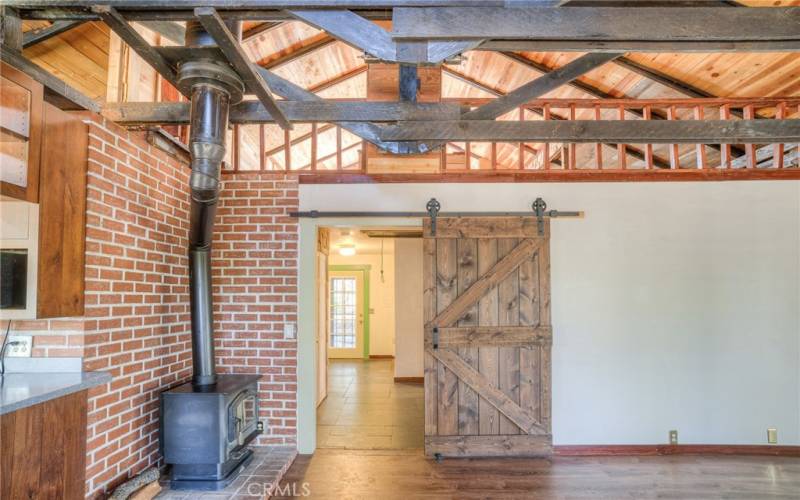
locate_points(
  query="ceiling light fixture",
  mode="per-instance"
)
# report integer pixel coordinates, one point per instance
(347, 250)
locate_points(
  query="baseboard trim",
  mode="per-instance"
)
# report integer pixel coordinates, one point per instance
(381, 356)
(410, 380)
(679, 449)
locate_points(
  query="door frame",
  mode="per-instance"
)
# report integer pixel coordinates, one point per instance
(307, 316)
(364, 269)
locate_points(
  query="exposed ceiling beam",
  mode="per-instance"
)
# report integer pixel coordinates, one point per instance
(594, 28)
(56, 90)
(38, 35)
(352, 29)
(232, 49)
(249, 112)
(485, 88)
(540, 86)
(368, 131)
(45, 13)
(10, 28)
(542, 68)
(661, 78)
(370, 38)
(636, 46)
(614, 131)
(600, 94)
(533, 89)
(632, 151)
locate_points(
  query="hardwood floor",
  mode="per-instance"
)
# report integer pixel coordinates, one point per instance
(370, 434)
(367, 409)
(383, 474)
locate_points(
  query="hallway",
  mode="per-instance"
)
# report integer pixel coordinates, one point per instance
(366, 409)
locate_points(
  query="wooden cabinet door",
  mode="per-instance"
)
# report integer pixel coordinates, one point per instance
(62, 215)
(44, 450)
(487, 337)
(21, 101)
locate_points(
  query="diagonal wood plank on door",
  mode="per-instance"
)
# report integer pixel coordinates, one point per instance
(493, 277)
(496, 397)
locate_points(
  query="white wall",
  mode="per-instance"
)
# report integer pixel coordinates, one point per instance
(675, 305)
(381, 296)
(408, 360)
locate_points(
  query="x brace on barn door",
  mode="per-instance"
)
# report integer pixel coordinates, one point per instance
(433, 210)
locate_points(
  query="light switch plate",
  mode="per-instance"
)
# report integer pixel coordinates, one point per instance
(290, 331)
(673, 437)
(21, 350)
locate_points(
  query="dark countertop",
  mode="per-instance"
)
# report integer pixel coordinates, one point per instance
(21, 390)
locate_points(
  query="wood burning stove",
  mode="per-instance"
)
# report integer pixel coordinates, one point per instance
(205, 430)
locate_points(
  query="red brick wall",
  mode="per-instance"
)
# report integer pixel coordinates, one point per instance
(255, 260)
(137, 314)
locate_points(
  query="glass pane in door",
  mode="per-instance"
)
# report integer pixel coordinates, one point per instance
(343, 313)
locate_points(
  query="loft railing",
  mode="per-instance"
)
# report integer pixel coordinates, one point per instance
(323, 148)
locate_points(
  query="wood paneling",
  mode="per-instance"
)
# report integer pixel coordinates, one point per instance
(79, 56)
(62, 215)
(44, 450)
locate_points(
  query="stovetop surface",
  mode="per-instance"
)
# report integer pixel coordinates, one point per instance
(226, 384)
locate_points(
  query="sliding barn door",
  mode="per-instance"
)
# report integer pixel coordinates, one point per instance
(487, 337)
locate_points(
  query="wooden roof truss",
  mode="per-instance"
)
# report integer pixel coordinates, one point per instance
(425, 32)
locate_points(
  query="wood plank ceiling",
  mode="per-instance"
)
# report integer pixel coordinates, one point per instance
(310, 58)
(78, 56)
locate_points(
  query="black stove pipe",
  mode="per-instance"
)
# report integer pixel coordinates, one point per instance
(210, 103)
(209, 121)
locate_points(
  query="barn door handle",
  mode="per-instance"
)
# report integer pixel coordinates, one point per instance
(435, 337)
(433, 208)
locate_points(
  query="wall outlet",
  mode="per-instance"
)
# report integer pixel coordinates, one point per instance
(673, 437)
(289, 331)
(23, 347)
(772, 435)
